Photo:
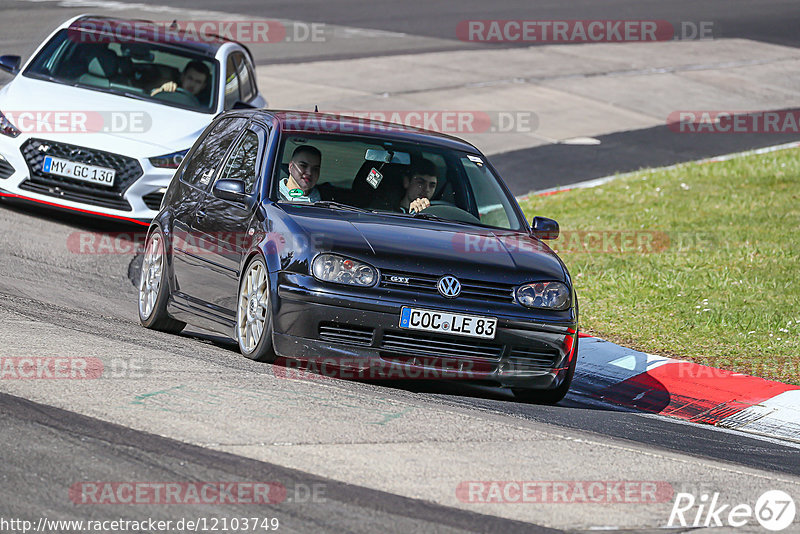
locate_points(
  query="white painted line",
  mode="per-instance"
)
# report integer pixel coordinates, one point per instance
(189, 14)
(605, 179)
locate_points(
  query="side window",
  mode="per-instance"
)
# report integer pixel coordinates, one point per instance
(209, 154)
(246, 79)
(493, 205)
(232, 82)
(241, 164)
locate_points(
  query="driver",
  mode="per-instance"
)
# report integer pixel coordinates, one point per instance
(420, 185)
(300, 185)
(193, 80)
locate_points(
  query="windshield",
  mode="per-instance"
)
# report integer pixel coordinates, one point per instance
(141, 70)
(409, 179)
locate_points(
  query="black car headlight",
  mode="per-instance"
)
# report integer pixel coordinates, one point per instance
(169, 161)
(341, 270)
(546, 295)
(6, 128)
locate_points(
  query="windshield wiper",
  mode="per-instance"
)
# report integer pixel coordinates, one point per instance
(338, 206)
(432, 217)
(49, 78)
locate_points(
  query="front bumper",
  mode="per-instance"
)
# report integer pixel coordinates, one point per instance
(340, 334)
(137, 200)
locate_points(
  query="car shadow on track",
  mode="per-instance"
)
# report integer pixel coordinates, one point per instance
(461, 392)
(75, 220)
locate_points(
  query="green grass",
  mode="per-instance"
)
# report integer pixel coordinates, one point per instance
(724, 290)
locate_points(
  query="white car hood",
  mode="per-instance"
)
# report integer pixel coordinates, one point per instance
(165, 129)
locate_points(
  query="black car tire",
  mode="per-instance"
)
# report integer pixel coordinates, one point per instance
(157, 319)
(549, 396)
(263, 350)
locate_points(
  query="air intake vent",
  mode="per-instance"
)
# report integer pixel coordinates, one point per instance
(530, 359)
(153, 200)
(6, 169)
(440, 346)
(345, 333)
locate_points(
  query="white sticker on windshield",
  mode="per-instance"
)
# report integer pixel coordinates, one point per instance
(475, 159)
(374, 178)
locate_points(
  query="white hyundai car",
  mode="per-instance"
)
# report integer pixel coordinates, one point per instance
(101, 115)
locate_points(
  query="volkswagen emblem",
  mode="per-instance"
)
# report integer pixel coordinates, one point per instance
(81, 156)
(449, 286)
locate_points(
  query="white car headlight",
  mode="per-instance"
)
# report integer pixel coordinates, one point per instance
(341, 270)
(169, 161)
(546, 295)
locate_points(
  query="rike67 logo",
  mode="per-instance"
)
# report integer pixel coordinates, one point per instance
(774, 510)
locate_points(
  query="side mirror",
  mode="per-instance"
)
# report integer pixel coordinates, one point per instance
(10, 64)
(544, 228)
(232, 190)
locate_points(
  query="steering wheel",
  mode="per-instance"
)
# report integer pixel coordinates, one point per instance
(446, 210)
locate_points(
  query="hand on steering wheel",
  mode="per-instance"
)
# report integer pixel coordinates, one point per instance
(418, 205)
(167, 87)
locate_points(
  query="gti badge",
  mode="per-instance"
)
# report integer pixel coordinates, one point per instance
(449, 286)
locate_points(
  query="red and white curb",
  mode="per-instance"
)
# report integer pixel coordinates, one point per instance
(616, 375)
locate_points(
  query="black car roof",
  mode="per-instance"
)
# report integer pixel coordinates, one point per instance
(141, 30)
(321, 123)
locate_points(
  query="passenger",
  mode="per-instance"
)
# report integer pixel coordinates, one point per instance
(300, 186)
(193, 80)
(419, 185)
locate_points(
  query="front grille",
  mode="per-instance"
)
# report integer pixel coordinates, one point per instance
(75, 196)
(153, 200)
(426, 283)
(430, 345)
(530, 359)
(127, 170)
(345, 333)
(6, 169)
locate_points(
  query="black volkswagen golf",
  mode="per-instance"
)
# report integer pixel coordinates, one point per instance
(392, 251)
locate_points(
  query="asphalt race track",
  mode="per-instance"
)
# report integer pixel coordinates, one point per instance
(351, 456)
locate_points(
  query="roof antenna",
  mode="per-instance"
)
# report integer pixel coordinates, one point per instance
(316, 109)
(174, 25)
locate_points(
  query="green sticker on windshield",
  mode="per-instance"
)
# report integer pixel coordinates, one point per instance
(297, 192)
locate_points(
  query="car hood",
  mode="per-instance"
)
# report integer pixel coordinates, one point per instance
(405, 244)
(146, 129)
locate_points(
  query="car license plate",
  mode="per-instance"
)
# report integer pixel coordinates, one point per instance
(448, 323)
(79, 171)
